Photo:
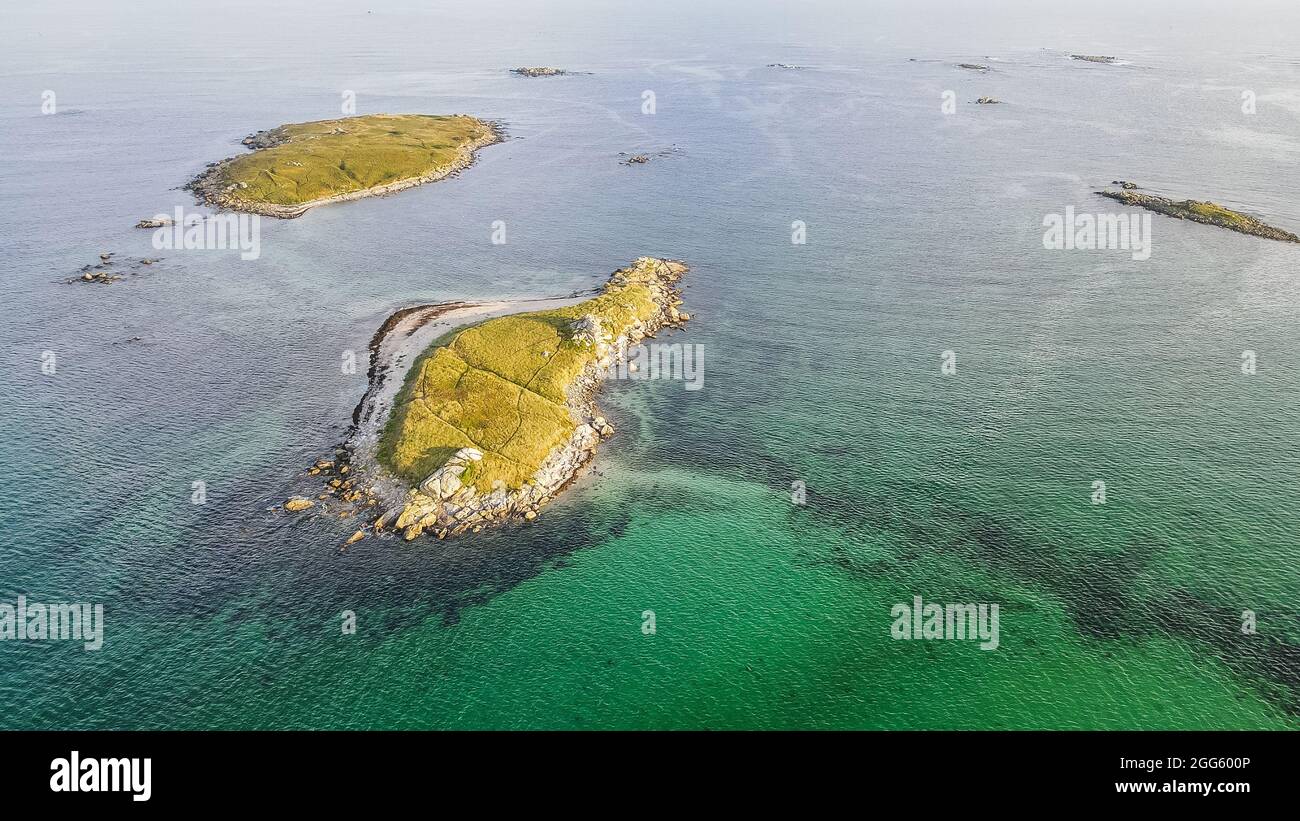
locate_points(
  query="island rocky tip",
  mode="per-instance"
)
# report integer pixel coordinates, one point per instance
(1208, 213)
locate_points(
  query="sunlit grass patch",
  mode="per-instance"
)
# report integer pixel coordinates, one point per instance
(328, 158)
(502, 387)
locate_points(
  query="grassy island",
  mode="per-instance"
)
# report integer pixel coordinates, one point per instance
(1209, 213)
(496, 417)
(299, 166)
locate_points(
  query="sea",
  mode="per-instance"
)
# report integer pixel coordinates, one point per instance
(905, 392)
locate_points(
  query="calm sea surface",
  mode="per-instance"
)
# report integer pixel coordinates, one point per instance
(924, 235)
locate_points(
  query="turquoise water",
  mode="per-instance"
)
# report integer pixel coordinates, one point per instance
(821, 366)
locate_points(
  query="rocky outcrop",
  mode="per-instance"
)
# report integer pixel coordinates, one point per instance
(106, 272)
(1209, 213)
(446, 503)
(538, 71)
(268, 138)
(642, 159)
(587, 330)
(297, 504)
(1093, 58)
(988, 101)
(972, 66)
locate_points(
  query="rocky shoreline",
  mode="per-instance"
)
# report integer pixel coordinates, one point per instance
(211, 187)
(1208, 213)
(441, 505)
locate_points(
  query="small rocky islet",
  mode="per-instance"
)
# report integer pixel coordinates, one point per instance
(538, 71)
(1208, 213)
(300, 166)
(485, 430)
(488, 430)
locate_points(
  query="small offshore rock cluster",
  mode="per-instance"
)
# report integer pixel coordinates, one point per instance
(444, 506)
(350, 493)
(103, 273)
(642, 159)
(1093, 58)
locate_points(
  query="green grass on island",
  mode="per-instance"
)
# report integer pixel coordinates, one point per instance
(1219, 215)
(501, 386)
(307, 162)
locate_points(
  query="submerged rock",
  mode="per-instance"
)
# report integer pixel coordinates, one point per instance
(98, 274)
(298, 503)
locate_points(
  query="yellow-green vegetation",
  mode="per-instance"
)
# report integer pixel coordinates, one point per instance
(307, 163)
(1219, 215)
(502, 387)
